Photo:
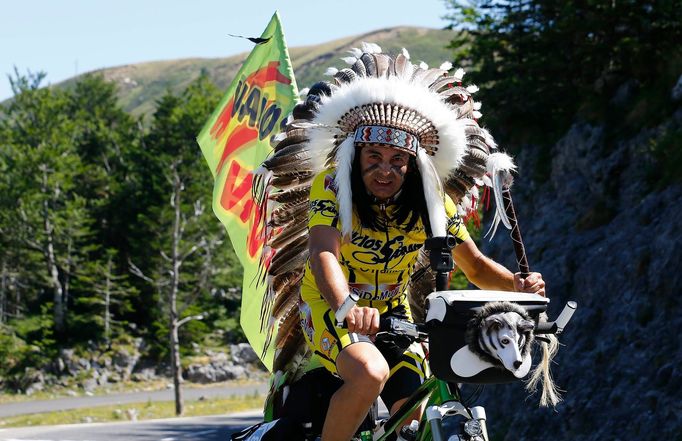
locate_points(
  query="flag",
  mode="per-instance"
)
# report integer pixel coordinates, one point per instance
(234, 141)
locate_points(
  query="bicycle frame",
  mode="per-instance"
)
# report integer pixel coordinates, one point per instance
(440, 400)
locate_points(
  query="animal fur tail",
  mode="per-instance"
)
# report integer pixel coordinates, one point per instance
(550, 395)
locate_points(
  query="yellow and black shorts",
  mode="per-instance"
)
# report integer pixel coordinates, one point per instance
(407, 367)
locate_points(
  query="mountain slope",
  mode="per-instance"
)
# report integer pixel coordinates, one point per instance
(141, 85)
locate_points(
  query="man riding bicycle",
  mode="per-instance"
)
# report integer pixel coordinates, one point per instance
(392, 141)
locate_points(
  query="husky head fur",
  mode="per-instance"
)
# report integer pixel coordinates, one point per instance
(502, 333)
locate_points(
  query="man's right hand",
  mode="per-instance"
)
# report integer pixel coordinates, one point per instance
(363, 320)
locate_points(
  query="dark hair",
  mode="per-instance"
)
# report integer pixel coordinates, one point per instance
(410, 204)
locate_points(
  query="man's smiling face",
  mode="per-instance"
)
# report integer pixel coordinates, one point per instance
(383, 170)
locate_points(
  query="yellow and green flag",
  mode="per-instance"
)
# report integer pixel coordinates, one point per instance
(234, 141)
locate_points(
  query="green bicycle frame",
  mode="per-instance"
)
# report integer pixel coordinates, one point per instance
(435, 391)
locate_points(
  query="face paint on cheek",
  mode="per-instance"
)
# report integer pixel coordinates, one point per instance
(398, 170)
(370, 169)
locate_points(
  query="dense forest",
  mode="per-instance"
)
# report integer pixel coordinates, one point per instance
(105, 216)
(102, 220)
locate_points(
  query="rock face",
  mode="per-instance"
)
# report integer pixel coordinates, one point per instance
(601, 235)
(220, 367)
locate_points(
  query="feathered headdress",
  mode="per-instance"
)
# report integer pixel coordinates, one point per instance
(376, 99)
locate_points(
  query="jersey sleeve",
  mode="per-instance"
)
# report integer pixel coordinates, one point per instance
(323, 208)
(455, 225)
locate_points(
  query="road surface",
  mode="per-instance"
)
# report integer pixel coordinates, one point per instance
(208, 428)
(224, 391)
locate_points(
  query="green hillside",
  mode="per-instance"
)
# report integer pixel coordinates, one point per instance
(141, 85)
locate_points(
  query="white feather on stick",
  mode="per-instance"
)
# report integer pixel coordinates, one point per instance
(459, 74)
(406, 54)
(500, 166)
(331, 71)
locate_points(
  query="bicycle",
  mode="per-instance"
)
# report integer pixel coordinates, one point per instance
(451, 364)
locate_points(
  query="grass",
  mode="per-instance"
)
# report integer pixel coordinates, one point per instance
(140, 411)
(112, 388)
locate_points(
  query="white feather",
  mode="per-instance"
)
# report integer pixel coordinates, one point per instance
(433, 192)
(356, 52)
(472, 89)
(303, 92)
(344, 195)
(489, 140)
(423, 65)
(500, 166)
(477, 114)
(331, 71)
(446, 66)
(459, 74)
(278, 137)
(349, 60)
(406, 54)
(497, 162)
(477, 105)
(370, 48)
(493, 226)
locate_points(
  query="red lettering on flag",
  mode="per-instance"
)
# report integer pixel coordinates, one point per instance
(266, 75)
(237, 189)
(256, 237)
(233, 193)
(235, 140)
(222, 121)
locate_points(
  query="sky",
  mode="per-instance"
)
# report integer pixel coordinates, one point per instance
(67, 37)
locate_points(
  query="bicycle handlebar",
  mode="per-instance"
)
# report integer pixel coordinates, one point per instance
(558, 325)
(419, 331)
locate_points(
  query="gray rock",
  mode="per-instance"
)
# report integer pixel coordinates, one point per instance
(124, 362)
(676, 93)
(243, 353)
(89, 384)
(146, 374)
(621, 349)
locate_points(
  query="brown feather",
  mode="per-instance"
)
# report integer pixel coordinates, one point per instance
(442, 83)
(290, 258)
(290, 196)
(289, 140)
(422, 283)
(289, 234)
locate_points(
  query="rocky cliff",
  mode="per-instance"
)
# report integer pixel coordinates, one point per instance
(605, 233)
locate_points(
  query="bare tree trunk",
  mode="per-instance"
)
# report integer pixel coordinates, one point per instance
(173, 293)
(67, 275)
(176, 369)
(107, 302)
(51, 261)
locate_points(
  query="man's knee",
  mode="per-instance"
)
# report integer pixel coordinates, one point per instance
(363, 367)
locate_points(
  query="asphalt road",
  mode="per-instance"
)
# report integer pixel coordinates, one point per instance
(11, 409)
(210, 428)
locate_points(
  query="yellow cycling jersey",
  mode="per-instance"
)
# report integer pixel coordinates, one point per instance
(377, 264)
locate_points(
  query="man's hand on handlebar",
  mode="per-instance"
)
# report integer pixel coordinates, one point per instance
(532, 284)
(363, 320)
